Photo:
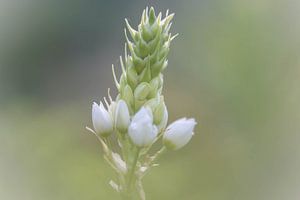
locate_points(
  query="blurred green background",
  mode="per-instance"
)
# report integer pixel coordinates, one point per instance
(235, 67)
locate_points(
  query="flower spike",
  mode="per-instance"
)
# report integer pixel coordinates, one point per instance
(138, 116)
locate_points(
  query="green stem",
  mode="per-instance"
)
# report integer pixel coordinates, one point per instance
(130, 177)
(131, 172)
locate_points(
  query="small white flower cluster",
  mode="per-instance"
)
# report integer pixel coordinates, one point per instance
(138, 117)
(140, 127)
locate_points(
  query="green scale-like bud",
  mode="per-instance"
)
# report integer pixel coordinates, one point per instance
(141, 81)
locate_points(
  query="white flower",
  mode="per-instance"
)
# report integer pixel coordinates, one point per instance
(179, 133)
(122, 117)
(102, 120)
(141, 129)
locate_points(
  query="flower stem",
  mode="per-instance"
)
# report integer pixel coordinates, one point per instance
(131, 172)
(131, 175)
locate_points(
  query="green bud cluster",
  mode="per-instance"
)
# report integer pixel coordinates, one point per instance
(141, 81)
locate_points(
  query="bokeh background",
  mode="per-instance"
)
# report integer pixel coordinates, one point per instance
(235, 67)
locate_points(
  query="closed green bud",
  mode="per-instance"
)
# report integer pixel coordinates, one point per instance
(154, 86)
(154, 44)
(132, 77)
(142, 49)
(138, 63)
(146, 33)
(142, 91)
(127, 95)
(158, 112)
(146, 74)
(156, 68)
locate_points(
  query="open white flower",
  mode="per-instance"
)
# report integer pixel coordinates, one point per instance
(179, 133)
(102, 120)
(141, 129)
(122, 117)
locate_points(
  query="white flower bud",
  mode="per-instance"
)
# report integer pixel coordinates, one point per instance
(179, 133)
(141, 129)
(122, 117)
(102, 120)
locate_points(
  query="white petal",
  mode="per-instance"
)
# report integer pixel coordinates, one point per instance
(102, 120)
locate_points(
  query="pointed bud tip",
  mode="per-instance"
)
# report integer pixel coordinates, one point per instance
(151, 15)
